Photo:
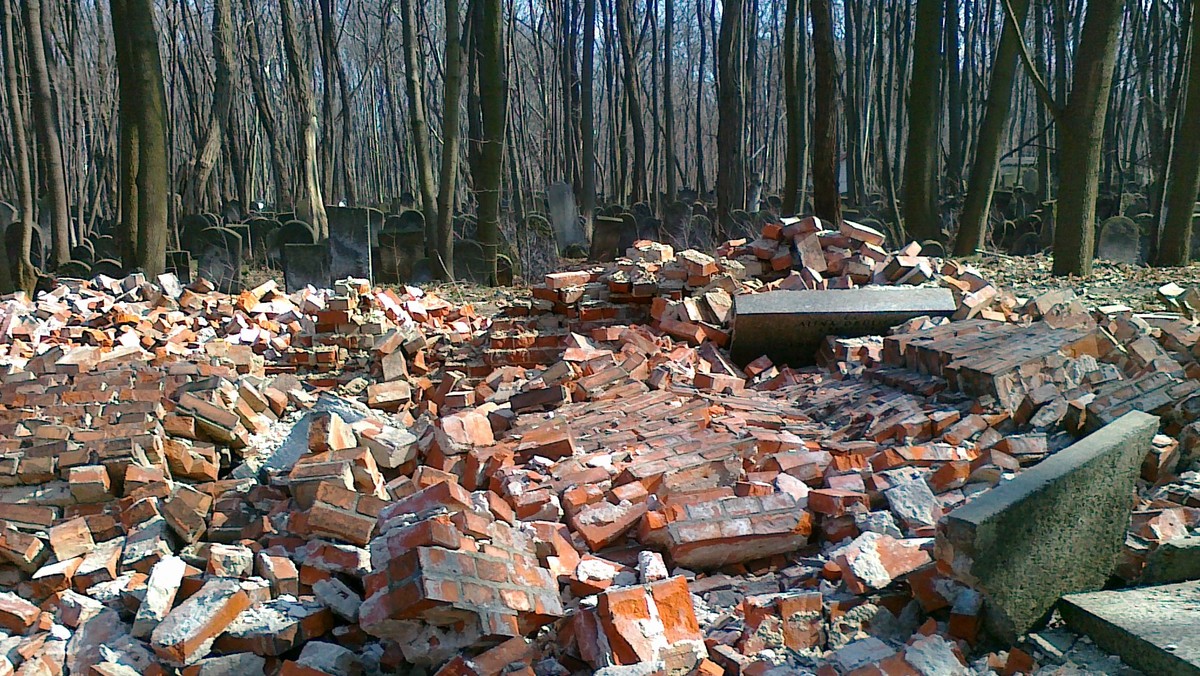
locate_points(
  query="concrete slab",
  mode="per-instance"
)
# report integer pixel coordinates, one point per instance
(1055, 529)
(1174, 561)
(788, 326)
(1151, 628)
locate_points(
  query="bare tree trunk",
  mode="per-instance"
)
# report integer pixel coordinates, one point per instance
(827, 199)
(588, 122)
(633, 100)
(921, 218)
(223, 49)
(1082, 138)
(310, 205)
(669, 100)
(145, 191)
(23, 277)
(266, 117)
(986, 166)
(46, 126)
(420, 125)
(795, 82)
(731, 155)
(701, 180)
(493, 90)
(1183, 171)
(444, 264)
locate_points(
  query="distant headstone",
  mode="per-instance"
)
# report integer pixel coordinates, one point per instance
(75, 270)
(296, 232)
(8, 214)
(304, 265)
(677, 218)
(398, 251)
(1120, 240)
(564, 215)
(349, 243)
(607, 235)
(105, 246)
(108, 267)
(422, 271)
(190, 227)
(233, 212)
(81, 254)
(220, 259)
(243, 231)
(182, 265)
(933, 249)
(468, 262)
(261, 231)
(1029, 244)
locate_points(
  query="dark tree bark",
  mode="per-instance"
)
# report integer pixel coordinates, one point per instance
(827, 199)
(266, 115)
(986, 166)
(921, 217)
(419, 122)
(731, 152)
(669, 99)
(22, 276)
(223, 49)
(633, 100)
(310, 205)
(1081, 138)
(493, 90)
(444, 263)
(144, 187)
(795, 81)
(701, 180)
(588, 122)
(1183, 171)
(45, 124)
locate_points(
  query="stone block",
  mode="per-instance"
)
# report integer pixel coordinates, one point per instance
(1055, 529)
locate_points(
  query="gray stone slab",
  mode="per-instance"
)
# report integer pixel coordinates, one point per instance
(305, 264)
(219, 259)
(564, 215)
(788, 326)
(1153, 629)
(1174, 561)
(349, 243)
(1055, 529)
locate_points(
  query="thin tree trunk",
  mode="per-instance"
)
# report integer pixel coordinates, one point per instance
(223, 50)
(588, 122)
(46, 127)
(493, 90)
(444, 264)
(1082, 138)
(633, 100)
(266, 116)
(310, 206)
(23, 277)
(827, 199)
(795, 82)
(669, 100)
(419, 122)
(731, 118)
(145, 191)
(986, 166)
(921, 217)
(1183, 172)
(701, 181)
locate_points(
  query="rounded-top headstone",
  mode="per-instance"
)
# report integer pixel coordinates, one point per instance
(81, 254)
(75, 269)
(1120, 240)
(1028, 244)
(933, 249)
(108, 267)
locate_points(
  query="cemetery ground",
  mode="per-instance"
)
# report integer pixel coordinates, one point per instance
(800, 452)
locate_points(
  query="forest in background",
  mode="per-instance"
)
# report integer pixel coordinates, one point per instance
(130, 114)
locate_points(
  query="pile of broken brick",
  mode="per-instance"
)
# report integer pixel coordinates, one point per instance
(359, 480)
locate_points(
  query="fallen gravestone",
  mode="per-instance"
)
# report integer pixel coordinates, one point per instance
(220, 259)
(306, 265)
(564, 215)
(1152, 629)
(789, 326)
(1120, 241)
(1057, 528)
(350, 243)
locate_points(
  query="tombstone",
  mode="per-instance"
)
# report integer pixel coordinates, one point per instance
(703, 234)
(349, 243)
(82, 254)
(742, 225)
(243, 231)
(305, 265)
(233, 212)
(8, 214)
(108, 267)
(1120, 240)
(676, 218)
(75, 270)
(607, 236)
(375, 219)
(408, 220)
(408, 200)
(105, 246)
(422, 272)
(220, 259)
(504, 270)
(291, 232)
(182, 265)
(262, 229)
(933, 249)
(398, 252)
(213, 219)
(651, 229)
(190, 227)
(468, 262)
(1029, 244)
(564, 214)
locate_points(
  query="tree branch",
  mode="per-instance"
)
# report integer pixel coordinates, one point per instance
(1039, 85)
